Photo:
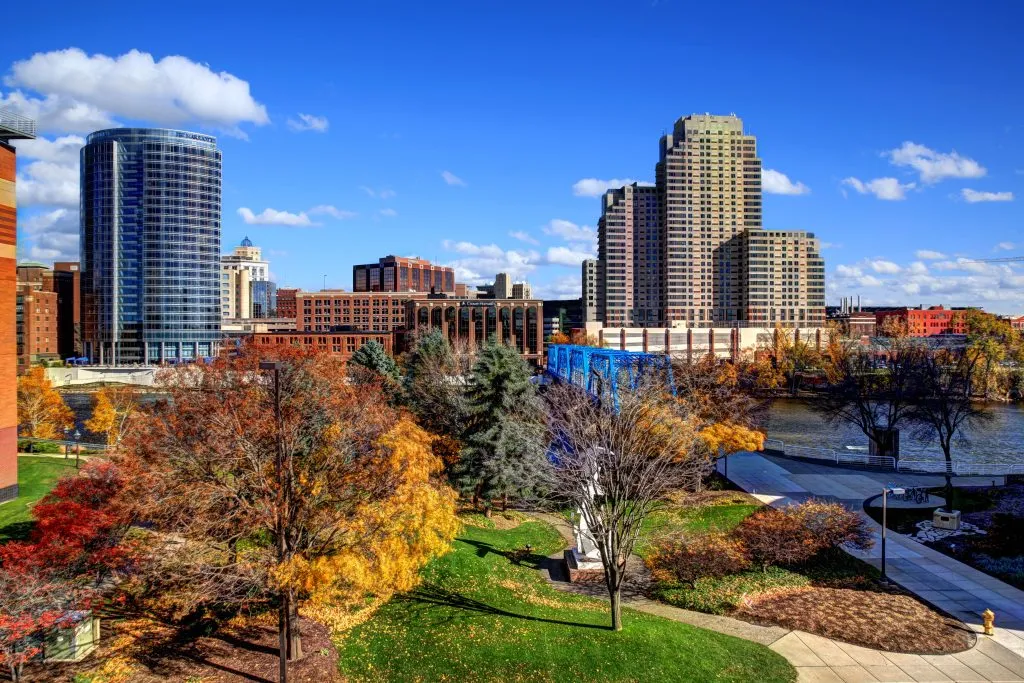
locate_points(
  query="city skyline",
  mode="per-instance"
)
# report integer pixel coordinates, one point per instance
(334, 156)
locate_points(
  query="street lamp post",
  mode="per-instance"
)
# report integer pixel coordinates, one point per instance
(78, 447)
(67, 441)
(885, 494)
(279, 523)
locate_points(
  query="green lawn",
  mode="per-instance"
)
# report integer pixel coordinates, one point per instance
(673, 520)
(480, 616)
(36, 476)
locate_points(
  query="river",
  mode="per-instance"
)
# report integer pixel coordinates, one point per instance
(1000, 440)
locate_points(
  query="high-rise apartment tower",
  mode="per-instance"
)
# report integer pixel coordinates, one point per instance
(150, 225)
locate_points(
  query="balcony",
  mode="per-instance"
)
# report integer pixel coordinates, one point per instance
(16, 127)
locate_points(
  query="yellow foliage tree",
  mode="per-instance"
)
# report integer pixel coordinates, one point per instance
(731, 438)
(42, 412)
(111, 408)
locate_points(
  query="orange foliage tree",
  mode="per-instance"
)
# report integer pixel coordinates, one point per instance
(355, 508)
(111, 408)
(42, 412)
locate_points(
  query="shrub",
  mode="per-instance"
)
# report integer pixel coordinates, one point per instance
(685, 559)
(797, 533)
(1005, 535)
(1011, 568)
(29, 446)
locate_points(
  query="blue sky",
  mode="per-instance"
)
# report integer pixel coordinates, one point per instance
(460, 131)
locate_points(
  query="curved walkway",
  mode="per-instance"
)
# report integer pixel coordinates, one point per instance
(936, 578)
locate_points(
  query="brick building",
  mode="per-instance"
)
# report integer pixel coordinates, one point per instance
(35, 315)
(332, 309)
(1017, 322)
(515, 322)
(341, 345)
(926, 322)
(286, 302)
(399, 274)
(12, 127)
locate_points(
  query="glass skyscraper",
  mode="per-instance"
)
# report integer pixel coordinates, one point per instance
(150, 229)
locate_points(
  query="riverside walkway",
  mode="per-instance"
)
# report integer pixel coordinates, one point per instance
(936, 578)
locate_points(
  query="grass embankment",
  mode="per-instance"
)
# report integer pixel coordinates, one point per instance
(36, 476)
(484, 613)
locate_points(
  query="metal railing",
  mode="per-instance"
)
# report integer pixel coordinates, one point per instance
(66, 443)
(16, 123)
(960, 468)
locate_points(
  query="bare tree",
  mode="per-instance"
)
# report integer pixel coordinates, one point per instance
(436, 373)
(872, 388)
(944, 410)
(614, 465)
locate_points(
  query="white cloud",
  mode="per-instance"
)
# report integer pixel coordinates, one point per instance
(62, 150)
(849, 271)
(594, 187)
(275, 217)
(523, 237)
(59, 114)
(564, 287)
(383, 193)
(569, 231)
(917, 268)
(390, 213)
(1006, 246)
(332, 211)
(868, 281)
(774, 182)
(883, 266)
(478, 264)
(169, 91)
(883, 188)
(933, 166)
(975, 196)
(52, 236)
(452, 179)
(51, 178)
(309, 122)
(566, 256)
(929, 254)
(831, 245)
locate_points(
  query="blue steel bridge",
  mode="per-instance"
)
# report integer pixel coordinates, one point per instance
(602, 372)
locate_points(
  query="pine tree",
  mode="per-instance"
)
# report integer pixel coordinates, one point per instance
(371, 357)
(504, 453)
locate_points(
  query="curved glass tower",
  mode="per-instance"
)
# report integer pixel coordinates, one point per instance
(150, 229)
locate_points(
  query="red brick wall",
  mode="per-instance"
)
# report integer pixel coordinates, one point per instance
(8, 341)
(341, 345)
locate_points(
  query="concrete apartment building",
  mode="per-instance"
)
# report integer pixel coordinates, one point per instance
(239, 270)
(690, 251)
(400, 274)
(328, 310)
(629, 250)
(784, 278)
(709, 186)
(589, 290)
(12, 127)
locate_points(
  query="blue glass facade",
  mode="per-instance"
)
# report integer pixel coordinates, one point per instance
(150, 240)
(264, 298)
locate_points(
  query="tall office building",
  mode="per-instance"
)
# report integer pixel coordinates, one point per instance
(629, 248)
(240, 270)
(399, 274)
(150, 224)
(263, 299)
(709, 186)
(784, 278)
(522, 290)
(12, 127)
(502, 286)
(67, 283)
(589, 291)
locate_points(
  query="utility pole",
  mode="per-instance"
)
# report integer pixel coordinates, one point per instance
(282, 502)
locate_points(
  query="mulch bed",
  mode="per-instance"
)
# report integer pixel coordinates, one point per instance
(158, 652)
(889, 621)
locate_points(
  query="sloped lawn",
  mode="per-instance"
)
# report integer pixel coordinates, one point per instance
(36, 476)
(484, 613)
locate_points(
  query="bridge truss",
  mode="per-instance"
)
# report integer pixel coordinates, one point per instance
(602, 372)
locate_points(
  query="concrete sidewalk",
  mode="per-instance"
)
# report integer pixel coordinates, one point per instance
(936, 578)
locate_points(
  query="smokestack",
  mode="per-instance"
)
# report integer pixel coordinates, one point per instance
(858, 303)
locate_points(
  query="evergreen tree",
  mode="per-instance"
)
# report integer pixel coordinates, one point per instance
(372, 358)
(505, 432)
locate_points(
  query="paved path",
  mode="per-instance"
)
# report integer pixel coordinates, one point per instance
(951, 585)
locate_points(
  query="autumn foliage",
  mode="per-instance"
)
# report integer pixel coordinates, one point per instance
(686, 559)
(111, 409)
(42, 413)
(796, 533)
(357, 508)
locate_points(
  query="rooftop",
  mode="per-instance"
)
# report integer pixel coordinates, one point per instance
(16, 127)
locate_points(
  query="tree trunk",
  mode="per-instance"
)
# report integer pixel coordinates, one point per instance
(616, 598)
(504, 502)
(294, 633)
(949, 478)
(282, 638)
(487, 511)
